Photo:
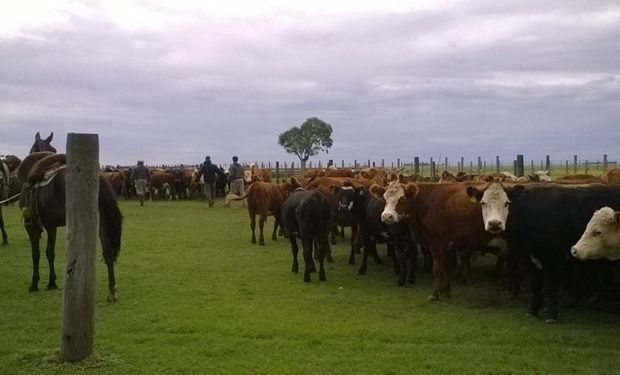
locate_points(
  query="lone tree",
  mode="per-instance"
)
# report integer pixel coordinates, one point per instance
(307, 140)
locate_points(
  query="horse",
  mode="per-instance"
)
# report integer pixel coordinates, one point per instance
(41, 144)
(8, 165)
(42, 202)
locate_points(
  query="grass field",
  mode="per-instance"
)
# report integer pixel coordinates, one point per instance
(196, 297)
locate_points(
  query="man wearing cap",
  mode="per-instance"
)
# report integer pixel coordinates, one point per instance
(235, 174)
(140, 178)
(210, 172)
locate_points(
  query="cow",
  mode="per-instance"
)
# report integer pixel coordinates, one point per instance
(578, 179)
(162, 183)
(601, 239)
(117, 181)
(542, 223)
(439, 215)
(305, 215)
(263, 199)
(612, 176)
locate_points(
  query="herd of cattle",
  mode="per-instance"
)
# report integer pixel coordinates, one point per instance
(537, 227)
(532, 226)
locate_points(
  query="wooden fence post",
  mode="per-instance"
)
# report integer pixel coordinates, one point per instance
(82, 210)
(548, 165)
(520, 166)
(605, 162)
(462, 164)
(277, 172)
(574, 164)
(416, 165)
(497, 164)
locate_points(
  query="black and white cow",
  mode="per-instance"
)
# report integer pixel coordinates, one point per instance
(542, 223)
(305, 215)
(367, 209)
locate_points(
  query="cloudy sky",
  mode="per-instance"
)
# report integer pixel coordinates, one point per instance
(173, 81)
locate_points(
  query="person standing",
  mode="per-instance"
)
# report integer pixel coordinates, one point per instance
(210, 172)
(140, 178)
(235, 174)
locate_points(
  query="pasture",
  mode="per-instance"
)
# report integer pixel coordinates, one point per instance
(195, 296)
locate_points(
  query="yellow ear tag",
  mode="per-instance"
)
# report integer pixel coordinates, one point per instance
(473, 200)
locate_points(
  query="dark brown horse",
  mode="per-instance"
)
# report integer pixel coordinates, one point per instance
(43, 207)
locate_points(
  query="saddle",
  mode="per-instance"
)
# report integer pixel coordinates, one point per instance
(36, 171)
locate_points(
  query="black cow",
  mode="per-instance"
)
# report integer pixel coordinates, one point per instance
(367, 209)
(542, 225)
(305, 215)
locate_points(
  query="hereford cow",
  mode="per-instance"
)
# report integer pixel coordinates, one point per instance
(542, 223)
(305, 215)
(439, 214)
(263, 199)
(601, 239)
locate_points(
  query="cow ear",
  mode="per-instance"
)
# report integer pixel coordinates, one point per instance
(516, 192)
(474, 194)
(334, 189)
(377, 190)
(37, 137)
(411, 190)
(49, 139)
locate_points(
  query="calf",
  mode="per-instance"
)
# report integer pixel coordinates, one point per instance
(601, 238)
(305, 215)
(542, 223)
(264, 199)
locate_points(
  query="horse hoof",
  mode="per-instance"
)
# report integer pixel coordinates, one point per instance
(112, 299)
(432, 297)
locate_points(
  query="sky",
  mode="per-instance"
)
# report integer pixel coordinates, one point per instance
(170, 82)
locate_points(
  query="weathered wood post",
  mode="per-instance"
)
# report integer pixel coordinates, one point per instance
(605, 162)
(574, 164)
(398, 163)
(548, 165)
(82, 197)
(497, 164)
(520, 167)
(277, 172)
(479, 164)
(462, 164)
(416, 165)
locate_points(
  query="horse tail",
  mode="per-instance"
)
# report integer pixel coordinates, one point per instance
(111, 217)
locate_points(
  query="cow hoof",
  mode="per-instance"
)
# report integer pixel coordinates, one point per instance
(306, 279)
(253, 240)
(261, 243)
(400, 283)
(551, 321)
(432, 297)
(361, 272)
(330, 259)
(33, 288)
(351, 260)
(52, 286)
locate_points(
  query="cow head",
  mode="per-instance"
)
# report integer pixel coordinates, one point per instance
(495, 200)
(601, 238)
(345, 195)
(396, 197)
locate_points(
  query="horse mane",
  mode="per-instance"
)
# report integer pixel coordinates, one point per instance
(24, 168)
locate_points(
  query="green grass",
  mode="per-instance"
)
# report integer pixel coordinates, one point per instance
(196, 297)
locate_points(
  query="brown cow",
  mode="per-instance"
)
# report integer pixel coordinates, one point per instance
(439, 214)
(263, 199)
(117, 181)
(572, 179)
(612, 176)
(162, 183)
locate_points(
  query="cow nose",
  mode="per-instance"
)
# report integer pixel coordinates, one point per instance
(573, 251)
(495, 224)
(388, 218)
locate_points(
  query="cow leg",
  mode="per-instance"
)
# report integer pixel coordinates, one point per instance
(309, 262)
(370, 246)
(536, 286)
(341, 232)
(253, 227)
(412, 260)
(375, 253)
(323, 248)
(400, 262)
(333, 234)
(396, 260)
(294, 251)
(34, 232)
(463, 258)
(441, 279)
(551, 287)
(276, 224)
(261, 224)
(50, 252)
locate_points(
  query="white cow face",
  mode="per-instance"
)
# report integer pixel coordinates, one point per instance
(396, 197)
(495, 205)
(601, 238)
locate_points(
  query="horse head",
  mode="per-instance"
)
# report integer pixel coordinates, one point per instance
(41, 144)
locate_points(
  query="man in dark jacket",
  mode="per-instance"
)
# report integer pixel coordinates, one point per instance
(141, 178)
(209, 171)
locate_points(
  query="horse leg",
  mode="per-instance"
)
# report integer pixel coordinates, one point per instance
(34, 232)
(50, 252)
(5, 238)
(109, 262)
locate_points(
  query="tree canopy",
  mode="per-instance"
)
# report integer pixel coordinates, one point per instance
(312, 137)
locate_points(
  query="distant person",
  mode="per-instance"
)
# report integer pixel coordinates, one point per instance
(140, 178)
(235, 174)
(210, 172)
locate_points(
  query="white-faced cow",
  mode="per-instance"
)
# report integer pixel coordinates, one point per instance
(601, 238)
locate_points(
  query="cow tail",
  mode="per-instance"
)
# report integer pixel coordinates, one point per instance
(234, 197)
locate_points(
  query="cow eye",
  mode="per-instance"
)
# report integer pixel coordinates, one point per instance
(482, 203)
(595, 233)
(507, 204)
